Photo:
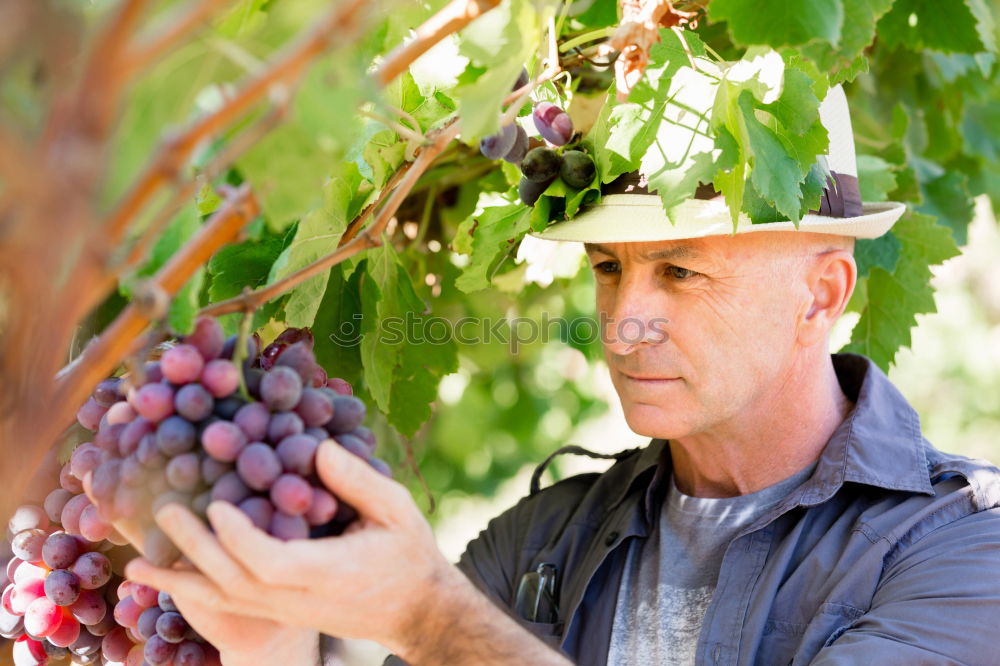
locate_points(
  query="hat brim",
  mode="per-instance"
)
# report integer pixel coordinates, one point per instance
(623, 218)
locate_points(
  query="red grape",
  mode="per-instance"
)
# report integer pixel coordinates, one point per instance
(220, 377)
(291, 494)
(182, 364)
(259, 465)
(207, 337)
(154, 401)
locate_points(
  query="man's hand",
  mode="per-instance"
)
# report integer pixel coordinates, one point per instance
(384, 579)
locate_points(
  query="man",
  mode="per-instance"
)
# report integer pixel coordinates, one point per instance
(787, 510)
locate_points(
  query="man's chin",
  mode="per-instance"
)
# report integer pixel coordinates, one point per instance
(655, 422)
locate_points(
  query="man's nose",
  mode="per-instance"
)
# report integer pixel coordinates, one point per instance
(637, 318)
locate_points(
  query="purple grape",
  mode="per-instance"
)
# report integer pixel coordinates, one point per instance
(182, 364)
(93, 570)
(28, 544)
(284, 424)
(207, 337)
(90, 608)
(153, 372)
(93, 527)
(54, 503)
(154, 401)
(120, 413)
(253, 378)
(165, 601)
(522, 80)
(552, 123)
(107, 437)
(287, 527)
(300, 358)
(194, 402)
(60, 550)
(108, 392)
(200, 502)
(281, 388)
(85, 458)
(519, 149)
(253, 347)
(259, 465)
(189, 653)
(146, 625)
(314, 408)
(365, 435)
(70, 518)
(290, 336)
(158, 548)
(319, 434)
(69, 482)
(252, 419)
(89, 415)
(223, 441)
(116, 644)
(297, 454)
(133, 433)
(105, 481)
(184, 472)
(339, 386)
(259, 510)
(322, 509)
(159, 652)
(230, 488)
(529, 191)
(212, 470)
(497, 145)
(291, 495)
(170, 626)
(132, 472)
(87, 643)
(354, 444)
(541, 165)
(104, 626)
(175, 435)
(62, 587)
(220, 377)
(148, 453)
(227, 407)
(348, 413)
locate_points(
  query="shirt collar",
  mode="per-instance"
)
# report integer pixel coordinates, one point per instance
(878, 444)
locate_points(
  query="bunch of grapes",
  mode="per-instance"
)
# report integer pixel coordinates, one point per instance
(59, 601)
(541, 164)
(188, 435)
(157, 633)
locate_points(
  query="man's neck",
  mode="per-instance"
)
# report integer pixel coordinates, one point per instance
(773, 440)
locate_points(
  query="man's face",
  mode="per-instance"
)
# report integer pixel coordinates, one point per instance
(698, 331)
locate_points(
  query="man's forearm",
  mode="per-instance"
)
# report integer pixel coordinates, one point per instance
(461, 626)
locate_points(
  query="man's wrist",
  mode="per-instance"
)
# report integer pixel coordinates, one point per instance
(299, 647)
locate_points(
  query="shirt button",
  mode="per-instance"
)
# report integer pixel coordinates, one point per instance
(611, 538)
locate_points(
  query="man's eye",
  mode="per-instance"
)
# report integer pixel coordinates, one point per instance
(680, 273)
(607, 267)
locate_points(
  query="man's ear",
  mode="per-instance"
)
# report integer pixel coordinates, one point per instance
(830, 280)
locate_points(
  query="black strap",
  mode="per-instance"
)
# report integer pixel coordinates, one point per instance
(536, 476)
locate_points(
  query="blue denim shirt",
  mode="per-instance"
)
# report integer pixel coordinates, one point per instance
(889, 553)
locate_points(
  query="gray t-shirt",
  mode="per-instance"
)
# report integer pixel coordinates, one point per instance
(669, 577)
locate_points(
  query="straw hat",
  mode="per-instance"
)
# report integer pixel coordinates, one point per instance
(629, 212)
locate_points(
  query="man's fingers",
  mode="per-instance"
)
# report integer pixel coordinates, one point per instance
(200, 546)
(265, 558)
(191, 585)
(354, 481)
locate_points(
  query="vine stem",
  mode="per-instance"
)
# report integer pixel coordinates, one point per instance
(591, 36)
(100, 357)
(370, 237)
(189, 18)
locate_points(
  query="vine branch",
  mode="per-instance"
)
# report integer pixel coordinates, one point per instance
(370, 237)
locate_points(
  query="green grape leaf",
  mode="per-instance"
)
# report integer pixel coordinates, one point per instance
(396, 347)
(882, 252)
(774, 172)
(846, 60)
(494, 234)
(876, 178)
(947, 198)
(337, 326)
(894, 299)
(246, 264)
(186, 304)
(498, 44)
(951, 27)
(782, 22)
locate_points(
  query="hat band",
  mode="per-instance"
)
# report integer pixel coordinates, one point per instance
(841, 196)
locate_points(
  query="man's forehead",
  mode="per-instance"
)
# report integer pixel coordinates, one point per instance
(648, 250)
